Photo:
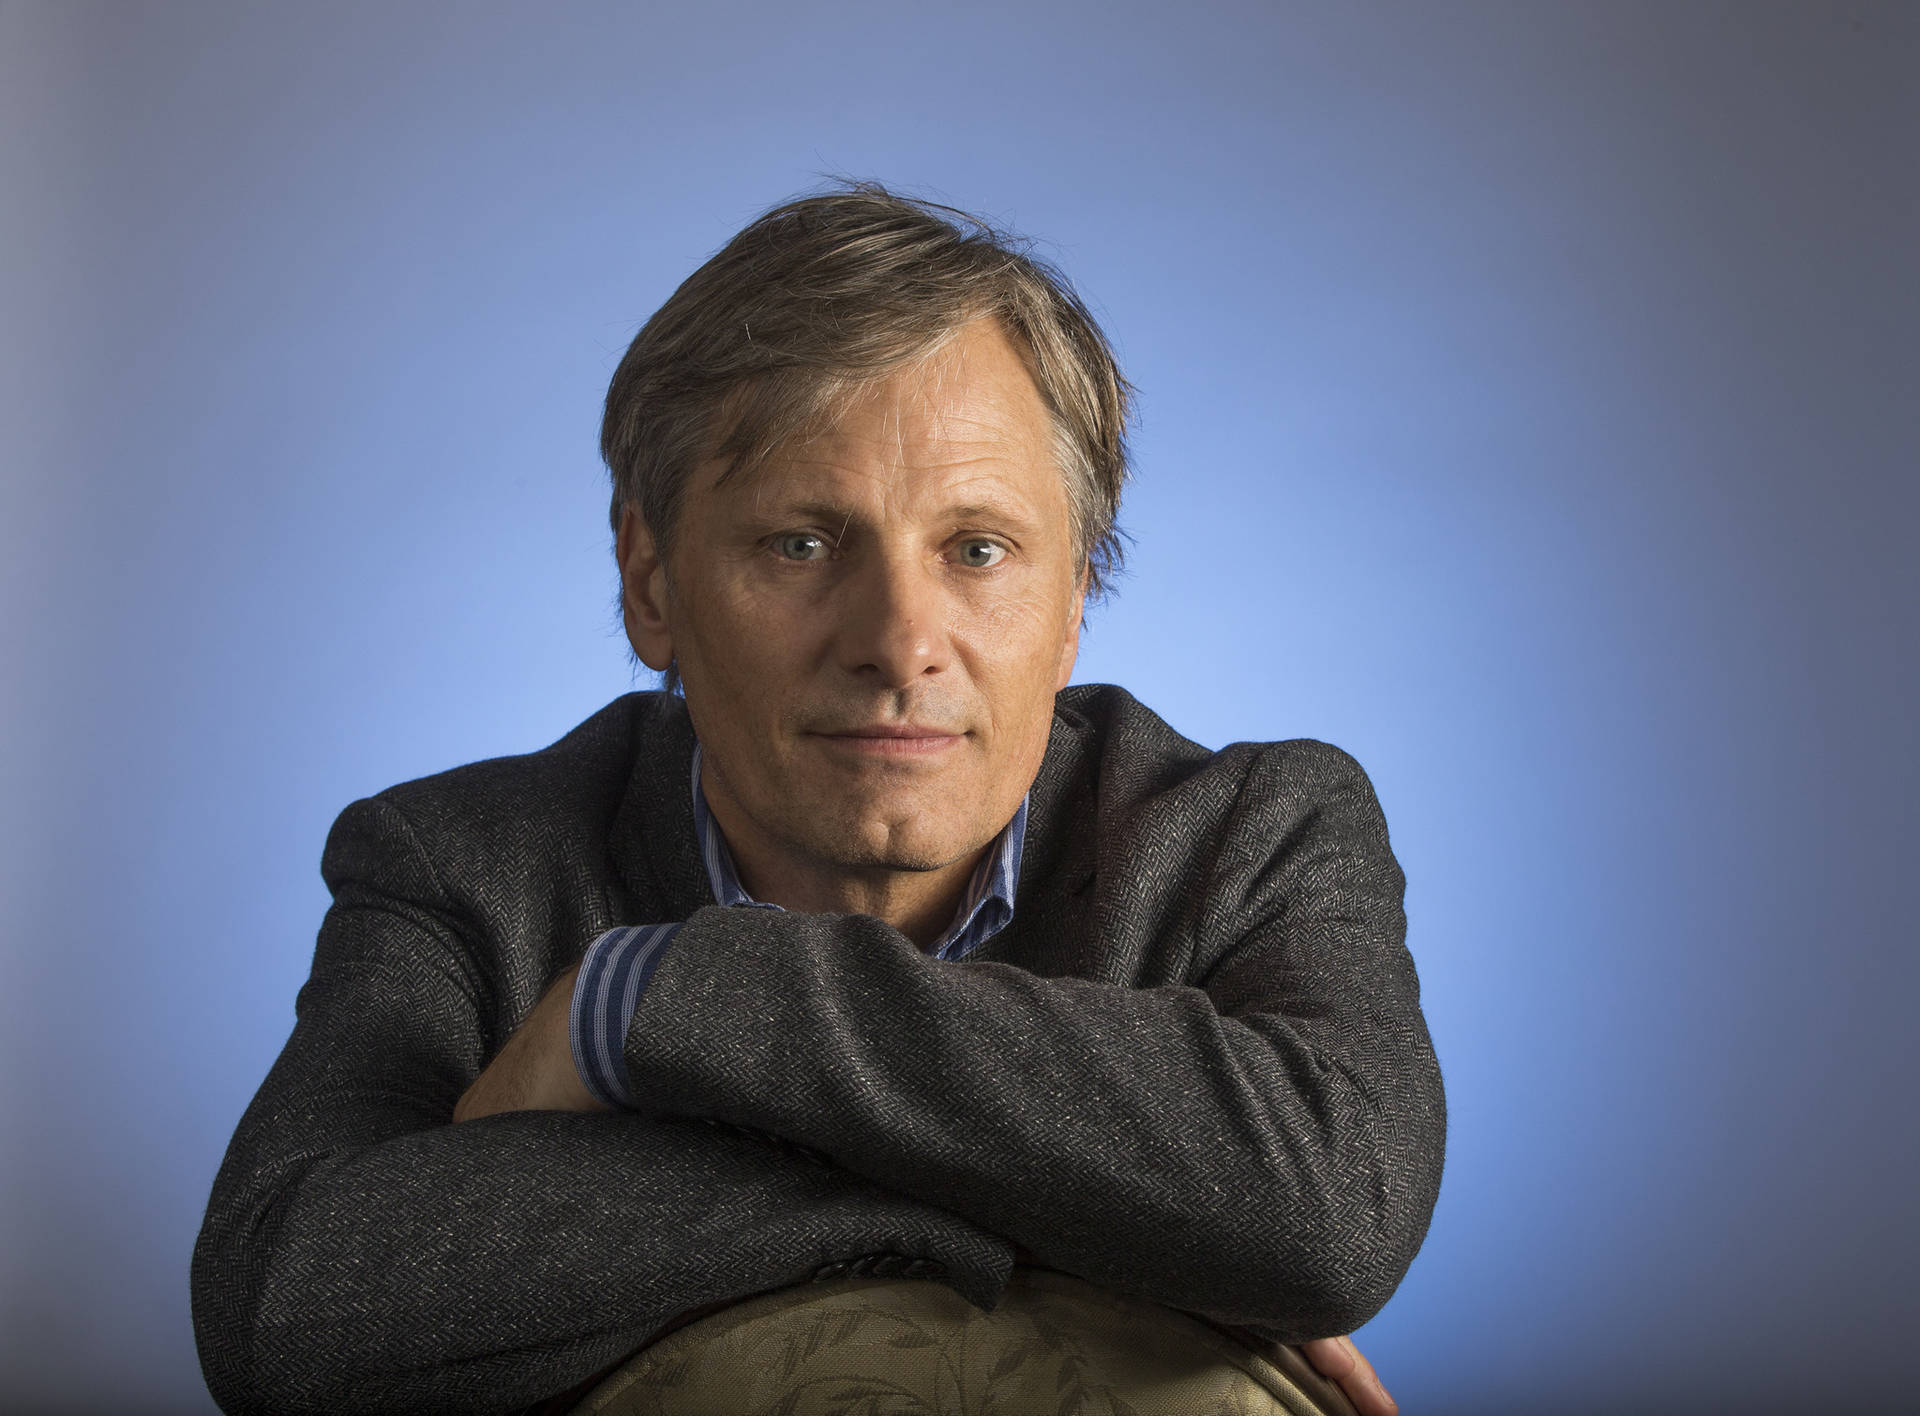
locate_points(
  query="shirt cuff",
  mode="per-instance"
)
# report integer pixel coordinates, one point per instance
(606, 993)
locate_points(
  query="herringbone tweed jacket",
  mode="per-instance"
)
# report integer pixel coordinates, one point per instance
(1193, 1068)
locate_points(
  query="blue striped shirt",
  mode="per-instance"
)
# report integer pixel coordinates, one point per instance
(617, 965)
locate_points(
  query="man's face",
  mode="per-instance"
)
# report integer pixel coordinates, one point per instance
(871, 629)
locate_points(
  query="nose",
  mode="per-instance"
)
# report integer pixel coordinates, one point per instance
(893, 622)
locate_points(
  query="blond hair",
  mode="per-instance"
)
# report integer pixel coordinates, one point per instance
(815, 300)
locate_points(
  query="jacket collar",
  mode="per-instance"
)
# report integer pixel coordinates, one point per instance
(652, 842)
(1062, 850)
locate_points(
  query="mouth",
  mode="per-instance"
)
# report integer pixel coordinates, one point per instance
(892, 740)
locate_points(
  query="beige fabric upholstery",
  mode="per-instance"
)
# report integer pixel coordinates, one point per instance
(889, 1347)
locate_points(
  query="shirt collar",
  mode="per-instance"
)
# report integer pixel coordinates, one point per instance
(985, 909)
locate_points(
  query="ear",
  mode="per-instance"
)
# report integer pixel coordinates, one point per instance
(1070, 646)
(643, 591)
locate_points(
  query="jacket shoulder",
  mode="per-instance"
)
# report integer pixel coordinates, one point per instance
(557, 801)
(1138, 756)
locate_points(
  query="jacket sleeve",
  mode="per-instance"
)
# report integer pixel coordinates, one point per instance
(361, 1254)
(1261, 1145)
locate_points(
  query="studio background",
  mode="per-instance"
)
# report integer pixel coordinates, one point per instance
(1561, 359)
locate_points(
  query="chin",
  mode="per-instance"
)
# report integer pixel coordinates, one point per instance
(869, 845)
(863, 855)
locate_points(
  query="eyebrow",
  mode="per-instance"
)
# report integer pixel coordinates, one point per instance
(987, 511)
(833, 513)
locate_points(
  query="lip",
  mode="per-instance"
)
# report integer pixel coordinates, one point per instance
(893, 740)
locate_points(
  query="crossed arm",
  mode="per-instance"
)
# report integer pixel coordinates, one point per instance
(1264, 1150)
(535, 1071)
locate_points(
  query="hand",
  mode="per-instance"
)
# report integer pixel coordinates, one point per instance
(534, 1071)
(1338, 1360)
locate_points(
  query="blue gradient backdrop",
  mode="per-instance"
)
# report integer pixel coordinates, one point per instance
(1560, 361)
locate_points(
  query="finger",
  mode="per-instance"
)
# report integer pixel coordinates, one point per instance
(1332, 1357)
(1363, 1386)
(1337, 1359)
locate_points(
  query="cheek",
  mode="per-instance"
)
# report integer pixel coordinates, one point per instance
(746, 638)
(1028, 629)
(1017, 644)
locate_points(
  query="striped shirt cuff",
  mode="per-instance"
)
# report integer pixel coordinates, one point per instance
(606, 993)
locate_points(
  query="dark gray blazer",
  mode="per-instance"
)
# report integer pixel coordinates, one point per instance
(1193, 1068)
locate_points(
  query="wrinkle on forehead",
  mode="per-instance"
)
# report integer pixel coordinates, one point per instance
(970, 402)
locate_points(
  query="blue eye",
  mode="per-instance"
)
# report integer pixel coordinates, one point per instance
(981, 554)
(802, 546)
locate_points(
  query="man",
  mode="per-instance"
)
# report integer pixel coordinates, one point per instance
(881, 952)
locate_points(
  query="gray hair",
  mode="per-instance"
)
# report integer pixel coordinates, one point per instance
(814, 301)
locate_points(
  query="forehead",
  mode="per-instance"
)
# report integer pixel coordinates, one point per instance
(967, 418)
